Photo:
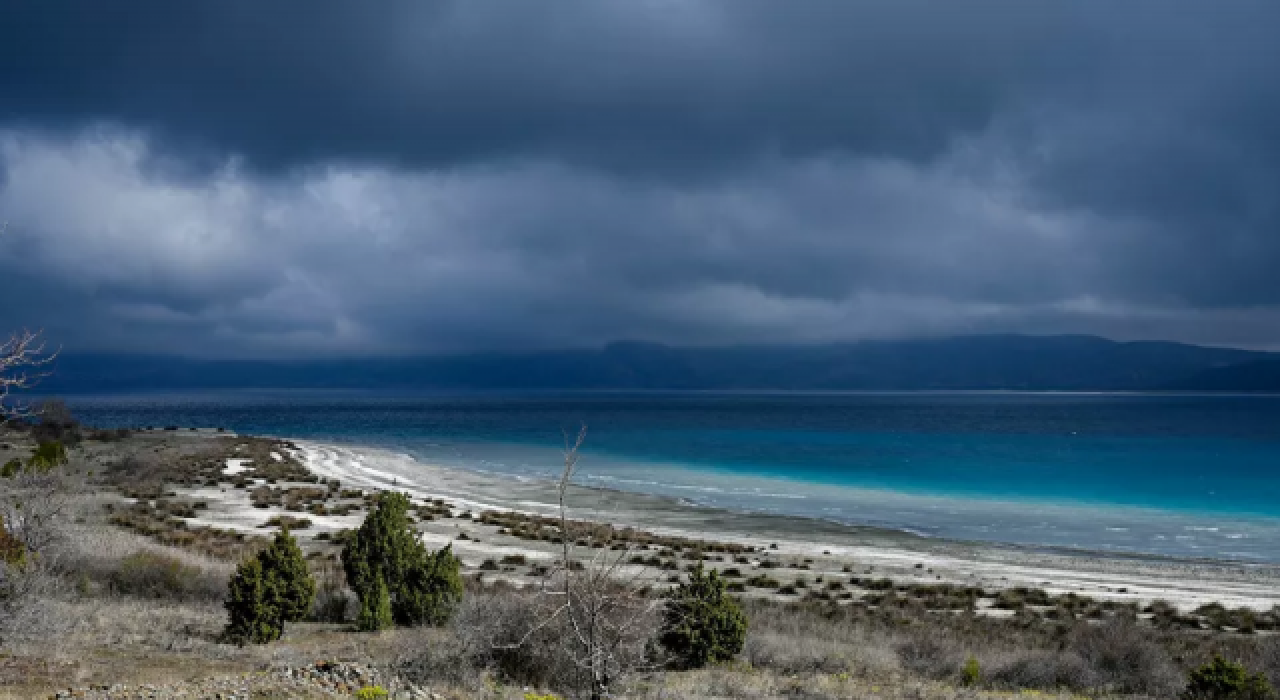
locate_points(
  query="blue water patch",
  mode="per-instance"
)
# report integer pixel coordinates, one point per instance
(1169, 474)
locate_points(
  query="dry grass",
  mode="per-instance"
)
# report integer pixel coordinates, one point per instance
(105, 560)
(766, 684)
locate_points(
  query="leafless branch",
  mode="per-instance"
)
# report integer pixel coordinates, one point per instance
(23, 363)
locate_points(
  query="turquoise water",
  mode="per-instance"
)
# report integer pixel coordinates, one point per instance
(1179, 475)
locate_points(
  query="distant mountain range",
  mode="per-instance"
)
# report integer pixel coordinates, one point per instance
(1012, 362)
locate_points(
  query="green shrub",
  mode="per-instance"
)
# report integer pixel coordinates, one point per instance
(295, 586)
(971, 672)
(268, 590)
(47, 456)
(1226, 680)
(375, 608)
(424, 586)
(252, 617)
(372, 692)
(700, 623)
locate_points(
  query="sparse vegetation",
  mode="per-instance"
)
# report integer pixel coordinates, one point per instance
(838, 635)
(154, 574)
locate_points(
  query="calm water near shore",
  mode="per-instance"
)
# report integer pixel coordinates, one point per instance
(1162, 474)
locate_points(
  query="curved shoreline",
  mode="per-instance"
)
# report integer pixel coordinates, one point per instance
(904, 556)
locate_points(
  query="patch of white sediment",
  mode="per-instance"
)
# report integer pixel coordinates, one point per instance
(235, 466)
(375, 469)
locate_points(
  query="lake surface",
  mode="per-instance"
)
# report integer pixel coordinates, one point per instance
(1182, 475)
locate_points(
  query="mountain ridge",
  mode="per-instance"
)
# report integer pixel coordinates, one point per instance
(974, 362)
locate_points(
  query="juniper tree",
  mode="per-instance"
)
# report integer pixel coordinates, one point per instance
(251, 616)
(1221, 679)
(375, 608)
(701, 623)
(424, 587)
(269, 589)
(430, 590)
(295, 586)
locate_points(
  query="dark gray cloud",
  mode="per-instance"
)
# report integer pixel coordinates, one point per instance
(649, 84)
(238, 177)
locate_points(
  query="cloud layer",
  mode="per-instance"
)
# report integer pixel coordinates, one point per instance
(233, 178)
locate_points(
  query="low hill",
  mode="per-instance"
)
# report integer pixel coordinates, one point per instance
(990, 362)
(1256, 375)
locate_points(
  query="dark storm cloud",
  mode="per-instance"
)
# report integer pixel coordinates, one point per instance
(648, 83)
(237, 177)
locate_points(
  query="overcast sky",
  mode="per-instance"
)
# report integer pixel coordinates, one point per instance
(247, 178)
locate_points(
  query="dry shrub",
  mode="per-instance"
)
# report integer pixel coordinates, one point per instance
(438, 657)
(25, 594)
(1266, 659)
(514, 635)
(1046, 670)
(799, 639)
(507, 633)
(1125, 659)
(333, 598)
(154, 574)
(1116, 657)
(131, 564)
(931, 655)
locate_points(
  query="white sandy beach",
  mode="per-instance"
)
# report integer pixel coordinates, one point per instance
(830, 547)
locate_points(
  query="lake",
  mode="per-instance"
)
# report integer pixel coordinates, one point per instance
(1181, 475)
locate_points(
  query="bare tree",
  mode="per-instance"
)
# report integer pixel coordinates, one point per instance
(23, 363)
(599, 605)
(33, 493)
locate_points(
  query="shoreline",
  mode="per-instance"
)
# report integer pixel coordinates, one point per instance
(887, 532)
(788, 548)
(901, 555)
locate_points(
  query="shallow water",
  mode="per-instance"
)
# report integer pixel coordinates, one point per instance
(1177, 475)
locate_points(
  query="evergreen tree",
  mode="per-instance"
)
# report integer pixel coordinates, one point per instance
(375, 608)
(701, 624)
(252, 617)
(431, 590)
(424, 587)
(291, 582)
(1226, 680)
(269, 589)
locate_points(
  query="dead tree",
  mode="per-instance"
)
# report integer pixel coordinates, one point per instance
(32, 492)
(600, 606)
(23, 363)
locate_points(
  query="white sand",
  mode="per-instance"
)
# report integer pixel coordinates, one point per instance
(235, 466)
(874, 553)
